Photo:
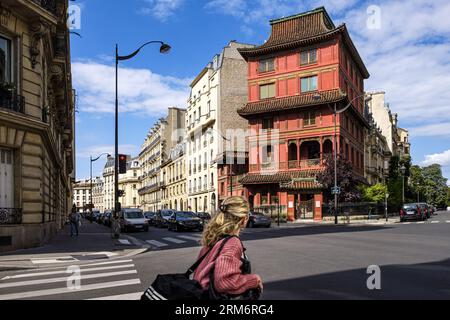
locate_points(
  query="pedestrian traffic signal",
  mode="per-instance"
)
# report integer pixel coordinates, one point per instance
(122, 164)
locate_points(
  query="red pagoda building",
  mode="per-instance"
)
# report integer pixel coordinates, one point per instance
(307, 66)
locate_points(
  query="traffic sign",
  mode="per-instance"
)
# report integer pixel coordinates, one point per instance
(336, 190)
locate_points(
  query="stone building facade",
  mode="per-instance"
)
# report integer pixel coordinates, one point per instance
(97, 194)
(173, 194)
(82, 195)
(162, 137)
(130, 184)
(36, 122)
(216, 93)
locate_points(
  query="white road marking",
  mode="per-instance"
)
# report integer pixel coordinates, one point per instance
(435, 221)
(68, 259)
(64, 279)
(157, 243)
(177, 241)
(448, 221)
(420, 222)
(189, 238)
(124, 241)
(407, 223)
(41, 274)
(122, 297)
(50, 292)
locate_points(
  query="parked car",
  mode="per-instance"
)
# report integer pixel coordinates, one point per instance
(205, 216)
(162, 218)
(100, 218)
(95, 216)
(107, 218)
(411, 211)
(433, 210)
(425, 208)
(258, 219)
(150, 216)
(132, 219)
(185, 220)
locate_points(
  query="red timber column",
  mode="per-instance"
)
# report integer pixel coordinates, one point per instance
(290, 207)
(318, 200)
(321, 150)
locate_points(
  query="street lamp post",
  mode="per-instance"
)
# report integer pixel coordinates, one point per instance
(386, 206)
(93, 160)
(403, 172)
(335, 111)
(165, 48)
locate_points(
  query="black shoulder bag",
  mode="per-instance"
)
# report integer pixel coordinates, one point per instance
(178, 286)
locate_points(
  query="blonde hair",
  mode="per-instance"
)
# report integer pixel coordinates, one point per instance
(227, 221)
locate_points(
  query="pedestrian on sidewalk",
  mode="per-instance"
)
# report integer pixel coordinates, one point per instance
(75, 219)
(225, 273)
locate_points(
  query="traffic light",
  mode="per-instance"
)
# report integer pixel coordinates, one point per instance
(122, 164)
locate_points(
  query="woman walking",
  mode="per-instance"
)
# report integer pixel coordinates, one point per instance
(225, 273)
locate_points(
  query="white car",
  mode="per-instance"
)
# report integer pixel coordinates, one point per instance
(132, 220)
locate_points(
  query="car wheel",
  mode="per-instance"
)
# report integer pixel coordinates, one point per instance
(176, 229)
(146, 229)
(270, 225)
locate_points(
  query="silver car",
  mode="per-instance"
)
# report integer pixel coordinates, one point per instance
(132, 220)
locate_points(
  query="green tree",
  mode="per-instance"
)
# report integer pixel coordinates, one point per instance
(435, 185)
(417, 184)
(376, 193)
(394, 180)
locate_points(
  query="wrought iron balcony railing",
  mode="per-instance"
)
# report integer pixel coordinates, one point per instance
(11, 101)
(49, 5)
(10, 216)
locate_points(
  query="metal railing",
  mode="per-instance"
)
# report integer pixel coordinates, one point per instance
(10, 216)
(10, 100)
(49, 5)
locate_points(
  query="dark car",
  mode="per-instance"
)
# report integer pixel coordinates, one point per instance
(107, 218)
(150, 216)
(257, 219)
(205, 216)
(425, 208)
(411, 211)
(100, 218)
(162, 218)
(185, 220)
(95, 216)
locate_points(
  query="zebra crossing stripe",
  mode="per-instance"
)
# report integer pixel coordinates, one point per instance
(49, 273)
(157, 243)
(177, 241)
(435, 221)
(64, 279)
(50, 292)
(189, 238)
(122, 297)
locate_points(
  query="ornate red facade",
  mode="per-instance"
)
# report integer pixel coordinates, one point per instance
(307, 65)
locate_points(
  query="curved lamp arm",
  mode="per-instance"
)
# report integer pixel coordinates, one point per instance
(164, 48)
(103, 154)
(351, 102)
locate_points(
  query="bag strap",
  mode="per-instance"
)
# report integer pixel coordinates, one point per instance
(194, 267)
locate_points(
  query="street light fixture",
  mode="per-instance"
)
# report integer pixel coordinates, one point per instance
(93, 160)
(318, 97)
(164, 49)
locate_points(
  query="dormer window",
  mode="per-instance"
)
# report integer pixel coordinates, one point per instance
(266, 65)
(308, 57)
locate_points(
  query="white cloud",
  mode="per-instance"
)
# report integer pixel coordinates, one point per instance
(431, 130)
(97, 150)
(439, 158)
(162, 9)
(140, 90)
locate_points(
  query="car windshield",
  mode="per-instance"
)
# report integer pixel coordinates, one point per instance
(166, 213)
(185, 215)
(409, 207)
(133, 215)
(257, 214)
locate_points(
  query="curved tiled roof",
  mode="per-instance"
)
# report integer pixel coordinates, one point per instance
(291, 102)
(303, 29)
(288, 179)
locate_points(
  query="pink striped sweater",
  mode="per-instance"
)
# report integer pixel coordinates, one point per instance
(228, 278)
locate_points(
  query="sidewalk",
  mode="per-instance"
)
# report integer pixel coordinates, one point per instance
(94, 243)
(342, 221)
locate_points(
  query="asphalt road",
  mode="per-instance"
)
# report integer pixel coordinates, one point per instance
(302, 262)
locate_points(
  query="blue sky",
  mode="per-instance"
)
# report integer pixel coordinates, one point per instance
(406, 48)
